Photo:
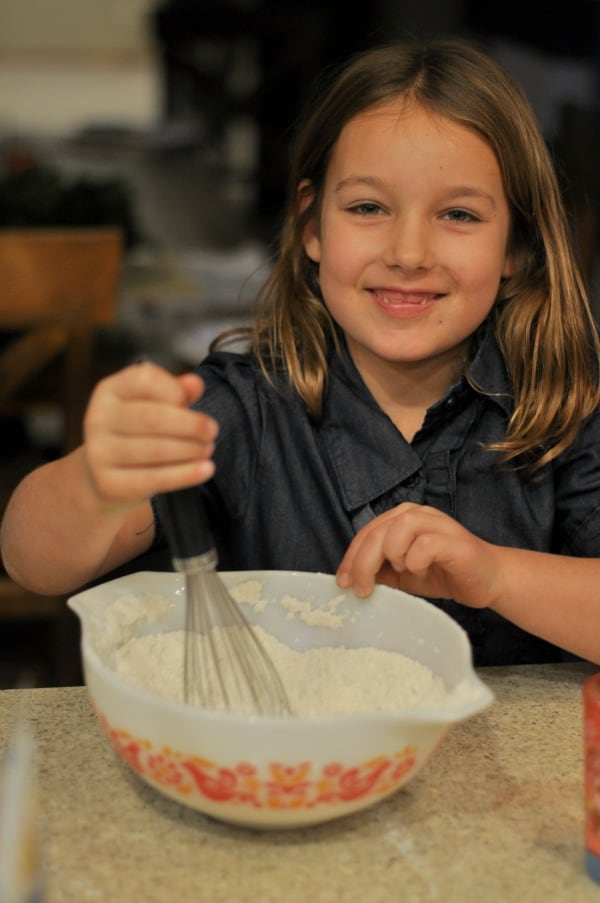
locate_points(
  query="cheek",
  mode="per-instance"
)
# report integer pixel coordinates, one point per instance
(480, 270)
(340, 256)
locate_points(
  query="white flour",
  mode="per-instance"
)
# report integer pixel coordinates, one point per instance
(250, 593)
(319, 681)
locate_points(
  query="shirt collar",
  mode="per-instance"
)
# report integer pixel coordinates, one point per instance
(360, 439)
(368, 454)
(488, 373)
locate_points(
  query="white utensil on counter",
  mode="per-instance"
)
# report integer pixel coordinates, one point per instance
(21, 852)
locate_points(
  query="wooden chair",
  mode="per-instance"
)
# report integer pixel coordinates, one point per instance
(57, 287)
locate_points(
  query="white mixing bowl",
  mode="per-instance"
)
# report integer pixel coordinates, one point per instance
(276, 772)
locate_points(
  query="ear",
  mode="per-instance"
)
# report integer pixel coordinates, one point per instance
(312, 242)
(509, 266)
(509, 261)
(310, 236)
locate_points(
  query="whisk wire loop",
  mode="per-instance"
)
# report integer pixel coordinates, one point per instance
(225, 665)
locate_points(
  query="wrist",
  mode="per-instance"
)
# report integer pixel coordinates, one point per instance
(89, 497)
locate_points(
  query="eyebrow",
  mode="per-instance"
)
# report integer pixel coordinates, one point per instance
(460, 191)
(375, 181)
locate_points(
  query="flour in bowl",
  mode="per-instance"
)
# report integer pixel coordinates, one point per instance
(319, 681)
(250, 593)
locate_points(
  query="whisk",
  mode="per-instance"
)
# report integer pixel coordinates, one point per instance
(225, 665)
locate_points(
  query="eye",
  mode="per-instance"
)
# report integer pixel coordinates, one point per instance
(458, 215)
(366, 208)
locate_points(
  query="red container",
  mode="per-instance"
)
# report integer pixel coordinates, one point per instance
(591, 708)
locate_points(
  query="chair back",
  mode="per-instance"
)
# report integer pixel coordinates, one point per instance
(57, 286)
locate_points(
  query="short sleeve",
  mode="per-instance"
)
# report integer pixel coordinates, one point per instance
(577, 493)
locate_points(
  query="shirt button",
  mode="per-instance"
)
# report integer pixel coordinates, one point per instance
(411, 481)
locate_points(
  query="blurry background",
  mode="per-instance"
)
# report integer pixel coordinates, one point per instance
(171, 121)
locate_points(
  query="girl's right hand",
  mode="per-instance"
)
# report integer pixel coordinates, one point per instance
(141, 437)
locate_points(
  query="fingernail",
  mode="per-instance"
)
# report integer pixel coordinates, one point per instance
(343, 580)
(205, 469)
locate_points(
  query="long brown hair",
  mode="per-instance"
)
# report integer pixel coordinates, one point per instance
(544, 324)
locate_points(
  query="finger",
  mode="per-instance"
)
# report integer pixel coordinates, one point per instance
(347, 564)
(387, 538)
(361, 563)
(126, 486)
(425, 550)
(192, 385)
(149, 418)
(144, 451)
(147, 380)
(410, 540)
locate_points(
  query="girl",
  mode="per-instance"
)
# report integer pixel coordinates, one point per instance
(420, 402)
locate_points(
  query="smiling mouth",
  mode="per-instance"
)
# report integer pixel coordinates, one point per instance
(394, 298)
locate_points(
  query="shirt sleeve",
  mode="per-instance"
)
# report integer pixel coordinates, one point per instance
(577, 493)
(233, 397)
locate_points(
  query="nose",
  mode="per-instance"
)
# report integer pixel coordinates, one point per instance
(408, 244)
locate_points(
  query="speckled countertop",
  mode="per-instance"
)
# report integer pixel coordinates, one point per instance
(496, 815)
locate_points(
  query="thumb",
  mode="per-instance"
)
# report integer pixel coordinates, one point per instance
(192, 385)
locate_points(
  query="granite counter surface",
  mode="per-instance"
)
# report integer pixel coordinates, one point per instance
(496, 816)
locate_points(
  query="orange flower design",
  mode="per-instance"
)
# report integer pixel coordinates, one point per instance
(285, 786)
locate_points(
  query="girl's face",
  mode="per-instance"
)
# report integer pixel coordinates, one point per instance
(411, 239)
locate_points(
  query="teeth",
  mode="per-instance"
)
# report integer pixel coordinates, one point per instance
(420, 303)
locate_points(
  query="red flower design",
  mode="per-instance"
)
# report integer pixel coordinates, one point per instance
(221, 786)
(287, 787)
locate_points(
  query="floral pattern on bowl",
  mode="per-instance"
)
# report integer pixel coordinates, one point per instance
(276, 786)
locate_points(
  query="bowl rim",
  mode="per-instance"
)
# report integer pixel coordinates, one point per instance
(481, 697)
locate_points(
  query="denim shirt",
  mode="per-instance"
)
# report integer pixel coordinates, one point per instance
(290, 493)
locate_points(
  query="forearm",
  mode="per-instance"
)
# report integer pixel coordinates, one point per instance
(57, 535)
(552, 596)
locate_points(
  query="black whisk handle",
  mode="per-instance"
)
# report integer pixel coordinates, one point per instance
(184, 521)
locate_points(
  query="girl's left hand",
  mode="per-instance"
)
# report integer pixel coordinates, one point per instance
(424, 552)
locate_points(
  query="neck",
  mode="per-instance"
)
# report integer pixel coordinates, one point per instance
(405, 390)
